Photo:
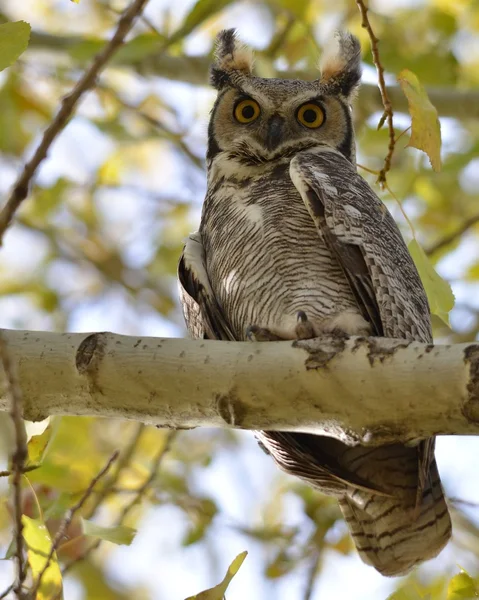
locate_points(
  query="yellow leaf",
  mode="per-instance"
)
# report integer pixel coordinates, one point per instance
(38, 445)
(218, 592)
(110, 171)
(462, 587)
(39, 543)
(439, 293)
(14, 38)
(425, 126)
(473, 272)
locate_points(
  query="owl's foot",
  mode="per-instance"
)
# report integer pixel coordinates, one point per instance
(340, 333)
(304, 328)
(261, 334)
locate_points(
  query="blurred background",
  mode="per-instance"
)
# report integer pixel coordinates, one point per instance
(95, 247)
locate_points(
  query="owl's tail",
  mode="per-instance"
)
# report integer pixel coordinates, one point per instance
(394, 533)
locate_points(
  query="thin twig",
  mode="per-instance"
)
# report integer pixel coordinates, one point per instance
(123, 461)
(129, 507)
(312, 575)
(20, 189)
(469, 503)
(26, 469)
(143, 18)
(68, 519)
(6, 592)
(18, 460)
(175, 138)
(279, 39)
(170, 436)
(408, 220)
(367, 169)
(388, 110)
(448, 239)
(401, 134)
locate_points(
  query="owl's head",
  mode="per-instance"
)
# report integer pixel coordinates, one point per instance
(265, 119)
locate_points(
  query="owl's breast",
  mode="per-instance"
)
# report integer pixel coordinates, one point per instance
(266, 260)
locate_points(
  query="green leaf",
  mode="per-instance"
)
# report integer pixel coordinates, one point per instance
(439, 293)
(14, 38)
(39, 543)
(425, 126)
(38, 445)
(462, 587)
(202, 10)
(218, 592)
(119, 534)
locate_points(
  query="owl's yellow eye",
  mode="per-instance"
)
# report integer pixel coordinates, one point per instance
(247, 111)
(310, 115)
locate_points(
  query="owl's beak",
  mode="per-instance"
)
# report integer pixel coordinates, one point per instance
(274, 134)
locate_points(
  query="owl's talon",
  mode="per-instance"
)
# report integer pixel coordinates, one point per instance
(301, 316)
(304, 329)
(340, 333)
(260, 334)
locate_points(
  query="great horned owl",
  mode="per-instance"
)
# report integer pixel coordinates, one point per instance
(294, 243)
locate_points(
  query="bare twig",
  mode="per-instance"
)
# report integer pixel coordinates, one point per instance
(112, 479)
(20, 189)
(170, 135)
(462, 502)
(448, 239)
(26, 469)
(388, 110)
(18, 460)
(68, 519)
(6, 592)
(129, 507)
(170, 436)
(143, 18)
(401, 134)
(312, 575)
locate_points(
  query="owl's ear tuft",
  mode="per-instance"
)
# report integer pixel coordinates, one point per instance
(233, 60)
(340, 64)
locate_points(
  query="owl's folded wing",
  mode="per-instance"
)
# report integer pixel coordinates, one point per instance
(368, 245)
(204, 317)
(366, 242)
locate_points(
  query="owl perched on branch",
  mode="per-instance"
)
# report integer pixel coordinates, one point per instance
(292, 244)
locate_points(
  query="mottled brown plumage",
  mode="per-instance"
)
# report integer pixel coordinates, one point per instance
(289, 227)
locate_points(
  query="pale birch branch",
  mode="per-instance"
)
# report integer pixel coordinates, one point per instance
(376, 390)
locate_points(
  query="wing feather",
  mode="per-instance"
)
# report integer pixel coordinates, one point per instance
(366, 241)
(203, 315)
(368, 245)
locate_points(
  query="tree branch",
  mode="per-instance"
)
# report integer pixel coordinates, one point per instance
(66, 522)
(139, 495)
(367, 390)
(388, 109)
(455, 235)
(20, 188)
(14, 397)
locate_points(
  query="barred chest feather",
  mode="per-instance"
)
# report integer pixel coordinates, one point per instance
(265, 258)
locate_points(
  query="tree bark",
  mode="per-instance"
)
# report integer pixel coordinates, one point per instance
(367, 390)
